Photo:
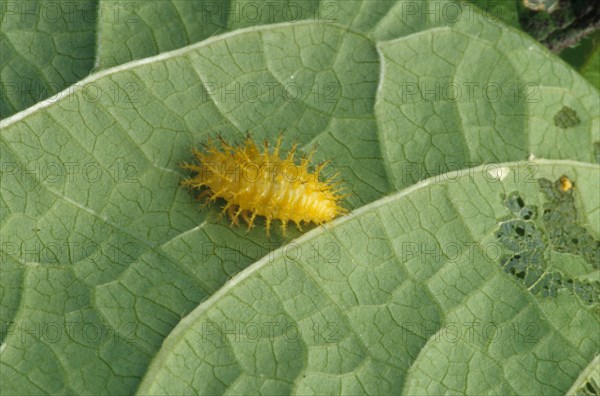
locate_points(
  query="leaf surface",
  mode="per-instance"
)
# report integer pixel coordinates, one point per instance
(103, 253)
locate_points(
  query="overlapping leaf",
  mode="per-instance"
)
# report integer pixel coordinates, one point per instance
(403, 295)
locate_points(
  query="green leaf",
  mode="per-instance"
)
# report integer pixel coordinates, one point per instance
(393, 300)
(137, 29)
(142, 28)
(591, 68)
(103, 254)
(45, 46)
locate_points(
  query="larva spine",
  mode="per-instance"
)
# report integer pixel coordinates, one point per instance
(255, 183)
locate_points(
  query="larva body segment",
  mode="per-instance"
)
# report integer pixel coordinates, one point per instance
(256, 183)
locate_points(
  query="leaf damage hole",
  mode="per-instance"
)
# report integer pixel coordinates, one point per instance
(561, 222)
(592, 388)
(566, 118)
(528, 236)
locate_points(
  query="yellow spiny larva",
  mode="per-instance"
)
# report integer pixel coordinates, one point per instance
(255, 183)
